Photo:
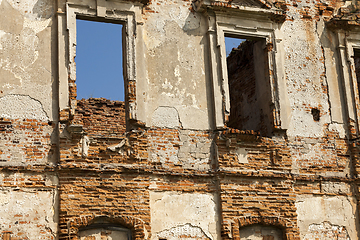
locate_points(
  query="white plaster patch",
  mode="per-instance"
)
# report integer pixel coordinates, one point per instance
(36, 26)
(327, 231)
(189, 151)
(338, 128)
(193, 117)
(33, 9)
(304, 69)
(172, 211)
(21, 107)
(339, 211)
(177, 72)
(183, 232)
(25, 207)
(21, 51)
(241, 154)
(167, 85)
(260, 232)
(180, 15)
(2, 33)
(166, 117)
(335, 187)
(103, 234)
(184, 18)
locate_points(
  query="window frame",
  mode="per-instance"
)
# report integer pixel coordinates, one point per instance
(100, 11)
(348, 44)
(247, 25)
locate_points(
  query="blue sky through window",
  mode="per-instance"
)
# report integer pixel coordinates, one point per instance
(231, 43)
(99, 69)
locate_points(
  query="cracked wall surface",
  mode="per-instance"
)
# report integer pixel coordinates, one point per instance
(185, 148)
(28, 206)
(183, 216)
(326, 217)
(173, 30)
(25, 50)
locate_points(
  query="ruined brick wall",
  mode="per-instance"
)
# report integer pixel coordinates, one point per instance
(101, 117)
(105, 183)
(164, 164)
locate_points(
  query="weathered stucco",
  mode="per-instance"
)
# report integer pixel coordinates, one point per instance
(324, 217)
(175, 214)
(102, 234)
(25, 54)
(32, 213)
(174, 37)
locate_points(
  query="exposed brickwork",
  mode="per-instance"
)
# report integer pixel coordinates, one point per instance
(97, 189)
(122, 198)
(136, 225)
(101, 188)
(101, 117)
(25, 141)
(265, 200)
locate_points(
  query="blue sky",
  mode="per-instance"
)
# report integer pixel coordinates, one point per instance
(99, 60)
(99, 71)
(231, 43)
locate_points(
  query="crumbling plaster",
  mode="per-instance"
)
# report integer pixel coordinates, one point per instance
(28, 137)
(304, 65)
(29, 214)
(174, 37)
(187, 149)
(338, 211)
(25, 50)
(21, 107)
(190, 213)
(260, 232)
(313, 73)
(102, 234)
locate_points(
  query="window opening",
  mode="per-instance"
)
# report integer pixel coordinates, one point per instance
(100, 106)
(99, 67)
(249, 86)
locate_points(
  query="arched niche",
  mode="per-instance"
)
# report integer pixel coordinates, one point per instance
(261, 232)
(101, 229)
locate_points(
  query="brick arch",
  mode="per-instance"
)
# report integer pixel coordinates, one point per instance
(136, 225)
(289, 228)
